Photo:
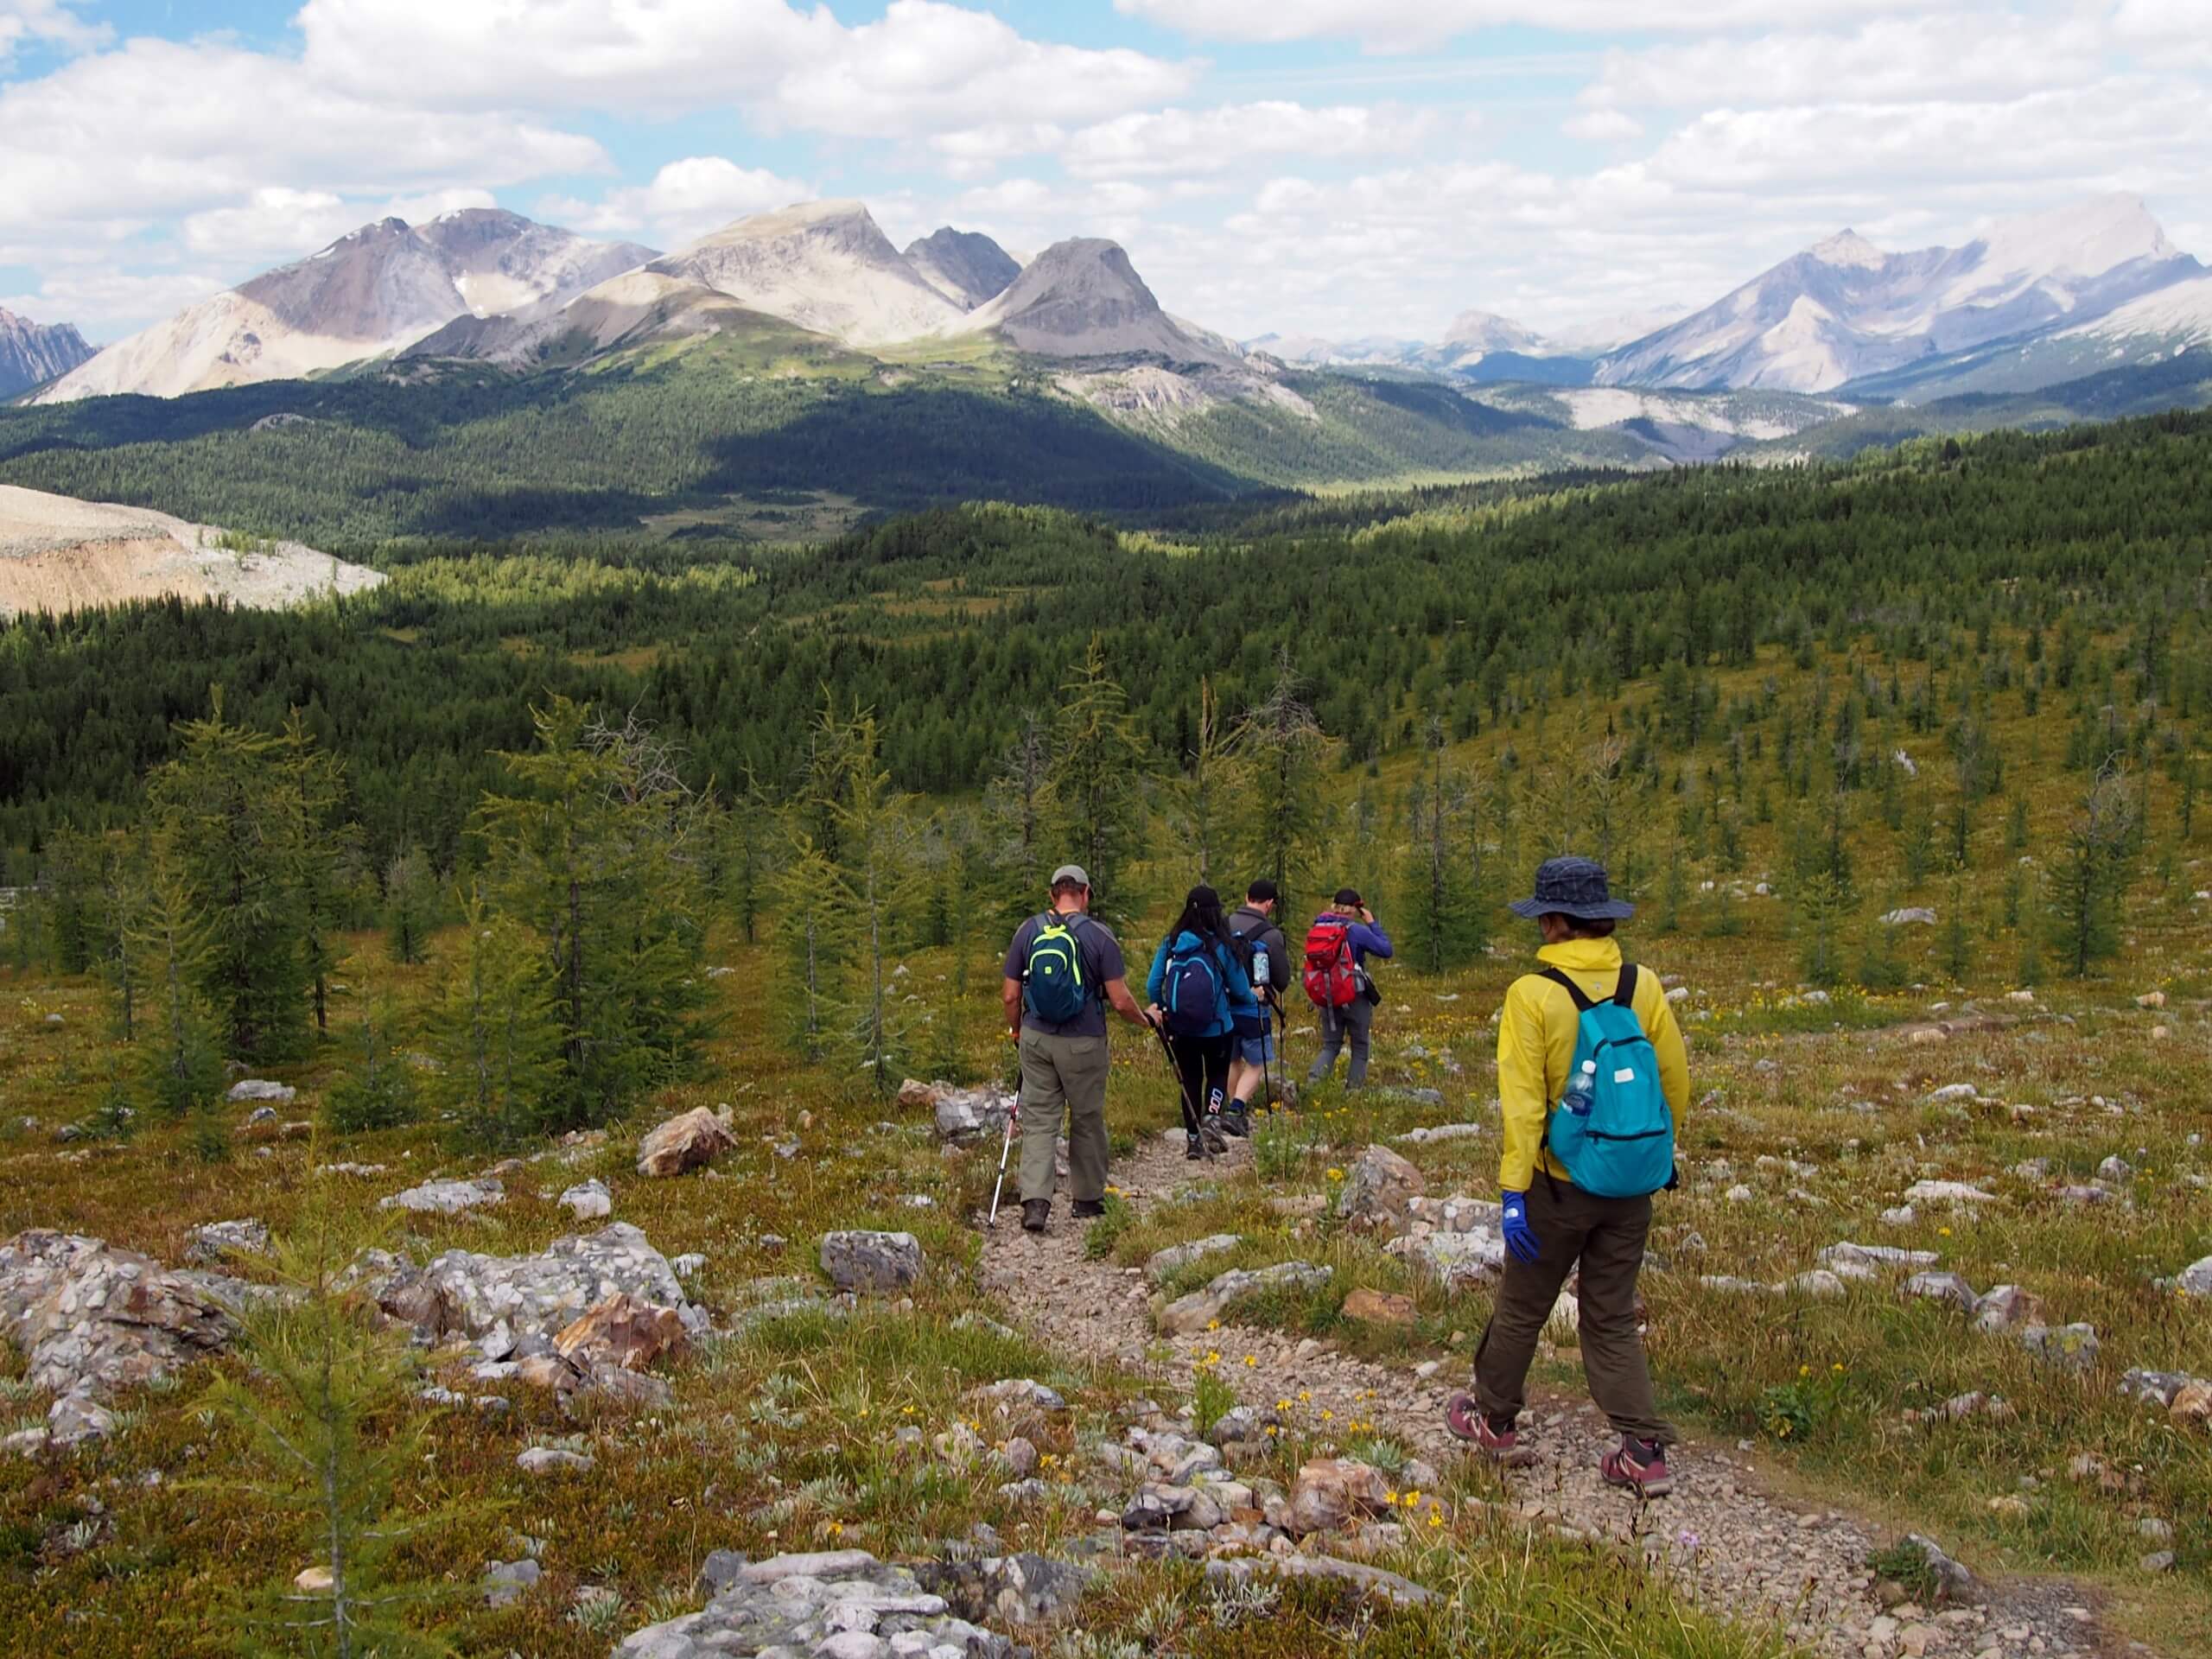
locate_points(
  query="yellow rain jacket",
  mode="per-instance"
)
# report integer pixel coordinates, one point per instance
(1536, 1034)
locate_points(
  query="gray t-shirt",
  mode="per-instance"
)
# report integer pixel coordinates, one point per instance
(1101, 961)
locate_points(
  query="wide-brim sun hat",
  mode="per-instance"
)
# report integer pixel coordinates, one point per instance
(1576, 887)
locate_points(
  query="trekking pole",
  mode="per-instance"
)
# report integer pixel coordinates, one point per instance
(1274, 1005)
(1013, 1121)
(1195, 1119)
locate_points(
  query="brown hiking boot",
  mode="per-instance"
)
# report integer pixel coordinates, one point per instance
(1465, 1420)
(1035, 1212)
(1639, 1465)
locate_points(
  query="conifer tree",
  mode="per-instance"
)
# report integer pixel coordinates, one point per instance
(178, 1064)
(322, 1407)
(816, 947)
(1286, 816)
(597, 852)
(410, 904)
(2091, 873)
(1094, 785)
(376, 1090)
(1015, 801)
(229, 810)
(496, 1035)
(1442, 925)
(327, 848)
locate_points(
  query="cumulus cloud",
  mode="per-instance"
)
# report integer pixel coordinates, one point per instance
(683, 201)
(1183, 142)
(157, 129)
(1945, 56)
(53, 21)
(1603, 127)
(923, 67)
(106, 303)
(1398, 25)
(280, 224)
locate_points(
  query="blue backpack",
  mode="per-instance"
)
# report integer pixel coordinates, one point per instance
(1191, 992)
(1052, 978)
(1621, 1143)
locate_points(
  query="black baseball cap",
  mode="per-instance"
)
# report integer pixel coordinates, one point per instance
(1348, 897)
(1262, 891)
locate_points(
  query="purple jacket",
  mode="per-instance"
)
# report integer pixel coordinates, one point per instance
(1365, 939)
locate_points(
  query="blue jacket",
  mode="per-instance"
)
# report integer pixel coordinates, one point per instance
(1366, 940)
(1236, 996)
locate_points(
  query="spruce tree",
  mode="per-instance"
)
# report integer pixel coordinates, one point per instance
(229, 810)
(1095, 811)
(1286, 816)
(496, 1035)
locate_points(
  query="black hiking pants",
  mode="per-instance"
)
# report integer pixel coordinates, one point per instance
(1202, 1066)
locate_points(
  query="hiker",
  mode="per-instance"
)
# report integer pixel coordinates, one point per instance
(1265, 956)
(1063, 969)
(1197, 984)
(1592, 1082)
(1343, 993)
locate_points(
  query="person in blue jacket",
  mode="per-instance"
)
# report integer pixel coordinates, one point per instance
(1196, 988)
(1356, 1019)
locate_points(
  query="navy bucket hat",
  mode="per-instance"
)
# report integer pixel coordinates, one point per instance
(1576, 887)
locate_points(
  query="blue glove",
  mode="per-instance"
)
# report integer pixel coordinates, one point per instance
(1524, 1245)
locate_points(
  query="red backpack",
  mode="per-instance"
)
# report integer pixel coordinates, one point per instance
(1331, 979)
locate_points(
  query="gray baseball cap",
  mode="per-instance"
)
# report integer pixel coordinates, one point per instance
(1074, 872)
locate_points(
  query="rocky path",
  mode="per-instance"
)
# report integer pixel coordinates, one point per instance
(1728, 1540)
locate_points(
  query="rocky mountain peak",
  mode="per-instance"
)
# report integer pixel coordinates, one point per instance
(965, 266)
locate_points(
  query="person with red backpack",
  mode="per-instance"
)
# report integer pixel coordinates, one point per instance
(1198, 985)
(1339, 985)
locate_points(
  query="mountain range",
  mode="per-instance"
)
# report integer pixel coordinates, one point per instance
(33, 352)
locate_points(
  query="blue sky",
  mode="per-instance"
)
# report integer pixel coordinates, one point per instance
(1334, 167)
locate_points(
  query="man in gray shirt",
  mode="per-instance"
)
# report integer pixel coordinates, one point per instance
(1062, 971)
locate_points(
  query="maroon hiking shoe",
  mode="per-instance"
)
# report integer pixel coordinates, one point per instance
(1464, 1417)
(1640, 1466)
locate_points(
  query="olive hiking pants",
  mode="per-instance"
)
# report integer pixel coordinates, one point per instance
(1606, 1237)
(1063, 1078)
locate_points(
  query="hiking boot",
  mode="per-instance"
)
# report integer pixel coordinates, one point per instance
(1193, 1148)
(1466, 1419)
(1211, 1138)
(1235, 1122)
(1035, 1212)
(1640, 1466)
(1087, 1209)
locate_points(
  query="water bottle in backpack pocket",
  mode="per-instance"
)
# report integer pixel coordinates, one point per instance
(1612, 1132)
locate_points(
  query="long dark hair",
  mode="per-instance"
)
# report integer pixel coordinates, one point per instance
(1202, 915)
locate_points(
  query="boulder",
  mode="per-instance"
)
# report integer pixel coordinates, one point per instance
(1457, 1214)
(1332, 1493)
(1372, 1307)
(1453, 1260)
(1161, 1265)
(216, 1240)
(1443, 1132)
(859, 1261)
(2006, 1307)
(1954, 1192)
(89, 1319)
(1202, 1307)
(1911, 916)
(917, 1095)
(2155, 1388)
(1376, 1189)
(504, 1581)
(463, 1293)
(1940, 1287)
(260, 1089)
(2070, 1347)
(589, 1201)
(1015, 1408)
(2191, 1407)
(623, 1332)
(1953, 1581)
(690, 1142)
(1376, 1583)
(2195, 1279)
(964, 1117)
(1875, 1256)
(829, 1605)
(551, 1460)
(446, 1198)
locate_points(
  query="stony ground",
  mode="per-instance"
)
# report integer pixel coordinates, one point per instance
(1726, 1534)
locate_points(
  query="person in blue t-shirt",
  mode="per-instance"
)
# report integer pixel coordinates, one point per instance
(1198, 988)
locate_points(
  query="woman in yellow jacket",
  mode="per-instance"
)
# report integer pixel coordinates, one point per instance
(1551, 1226)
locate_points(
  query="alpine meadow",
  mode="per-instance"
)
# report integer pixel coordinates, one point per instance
(857, 835)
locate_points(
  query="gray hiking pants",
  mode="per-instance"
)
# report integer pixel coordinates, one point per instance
(1063, 1078)
(1353, 1021)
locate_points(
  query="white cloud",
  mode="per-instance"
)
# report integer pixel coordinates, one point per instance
(1603, 127)
(278, 224)
(1401, 25)
(1183, 142)
(55, 21)
(157, 129)
(1943, 55)
(923, 67)
(685, 200)
(106, 303)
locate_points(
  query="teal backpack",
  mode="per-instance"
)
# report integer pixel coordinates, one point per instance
(1614, 1136)
(1052, 979)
